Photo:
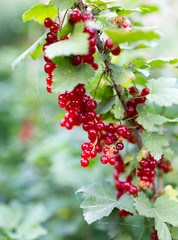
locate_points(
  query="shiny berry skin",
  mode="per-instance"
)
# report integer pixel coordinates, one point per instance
(152, 164)
(127, 186)
(133, 190)
(116, 51)
(121, 130)
(118, 185)
(75, 16)
(91, 104)
(54, 28)
(104, 159)
(91, 31)
(47, 59)
(146, 171)
(93, 154)
(144, 163)
(95, 66)
(48, 88)
(93, 133)
(84, 162)
(51, 37)
(108, 141)
(49, 80)
(154, 236)
(133, 90)
(77, 60)
(128, 134)
(87, 16)
(120, 146)
(48, 22)
(145, 91)
(132, 102)
(92, 50)
(131, 110)
(109, 43)
(92, 42)
(49, 67)
(85, 146)
(100, 126)
(106, 149)
(127, 23)
(112, 161)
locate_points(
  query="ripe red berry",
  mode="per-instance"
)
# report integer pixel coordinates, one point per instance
(112, 161)
(118, 185)
(133, 190)
(120, 146)
(132, 102)
(133, 90)
(145, 91)
(93, 154)
(109, 43)
(95, 66)
(123, 213)
(144, 163)
(154, 236)
(127, 23)
(116, 51)
(48, 88)
(48, 22)
(75, 16)
(85, 146)
(121, 130)
(100, 126)
(51, 37)
(104, 159)
(91, 31)
(153, 163)
(131, 110)
(54, 28)
(87, 16)
(77, 60)
(49, 80)
(49, 67)
(127, 185)
(84, 162)
(92, 42)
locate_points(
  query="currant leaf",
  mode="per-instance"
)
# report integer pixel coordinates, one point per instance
(162, 91)
(34, 51)
(119, 74)
(155, 143)
(63, 5)
(39, 12)
(101, 200)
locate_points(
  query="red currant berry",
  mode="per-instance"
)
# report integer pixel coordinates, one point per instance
(48, 88)
(75, 16)
(92, 42)
(120, 146)
(145, 91)
(154, 236)
(87, 16)
(133, 90)
(93, 154)
(84, 162)
(77, 60)
(51, 37)
(104, 159)
(109, 43)
(144, 163)
(133, 190)
(49, 67)
(118, 185)
(54, 28)
(49, 80)
(127, 185)
(112, 161)
(48, 22)
(127, 23)
(121, 130)
(91, 31)
(131, 110)
(85, 146)
(95, 66)
(116, 51)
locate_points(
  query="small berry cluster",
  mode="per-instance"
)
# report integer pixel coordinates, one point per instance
(76, 16)
(121, 22)
(147, 172)
(154, 235)
(123, 187)
(165, 165)
(51, 38)
(137, 99)
(81, 111)
(115, 50)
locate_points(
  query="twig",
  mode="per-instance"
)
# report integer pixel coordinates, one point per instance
(98, 84)
(64, 18)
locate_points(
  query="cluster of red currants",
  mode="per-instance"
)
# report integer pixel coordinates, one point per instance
(147, 172)
(81, 111)
(137, 99)
(165, 165)
(51, 38)
(76, 16)
(122, 23)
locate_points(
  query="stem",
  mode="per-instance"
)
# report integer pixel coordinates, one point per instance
(98, 84)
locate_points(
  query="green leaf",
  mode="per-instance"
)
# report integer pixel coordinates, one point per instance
(158, 62)
(172, 193)
(77, 44)
(35, 50)
(149, 9)
(162, 91)
(31, 232)
(164, 211)
(128, 157)
(39, 13)
(155, 143)
(174, 232)
(137, 34)
(65, 30)
(150, 120)
(105, 105)
(62, 5)
(101, 200)
(125, 12)
(119, 74)
(141, 154)
(118, 109)
(67, 75)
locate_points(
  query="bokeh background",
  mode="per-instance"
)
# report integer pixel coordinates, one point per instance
(39, 161)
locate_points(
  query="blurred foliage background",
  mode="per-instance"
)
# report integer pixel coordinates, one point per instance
(39, 162)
